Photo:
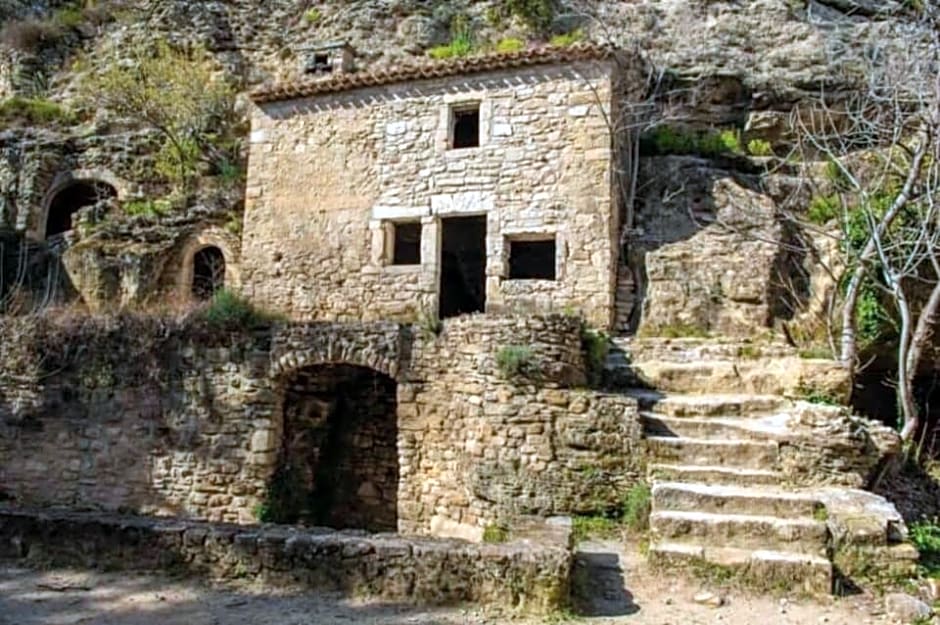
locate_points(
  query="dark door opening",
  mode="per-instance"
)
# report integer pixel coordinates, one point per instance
(339, 458)
(463, 266)
(208, 272)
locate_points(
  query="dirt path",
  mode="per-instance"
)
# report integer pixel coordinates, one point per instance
(620, 590)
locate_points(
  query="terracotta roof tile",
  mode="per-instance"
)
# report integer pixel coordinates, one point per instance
(545, 55)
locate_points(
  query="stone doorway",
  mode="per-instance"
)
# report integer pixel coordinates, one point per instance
(339, 455)
(208, 272)
(463, 266)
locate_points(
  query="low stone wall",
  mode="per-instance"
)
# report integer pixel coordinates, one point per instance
(529, 574)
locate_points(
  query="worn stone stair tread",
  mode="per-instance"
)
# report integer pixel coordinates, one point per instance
(735, 499)
(707, 404)
(745, 531)
(710, 474)
(773, 425)
(739, 452)
(718, 517)
(730, 556)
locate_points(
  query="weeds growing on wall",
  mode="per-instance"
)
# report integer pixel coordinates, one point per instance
(567, 39)
(462, 41)
(285, 497)
(495, 533)
(632, 515)
(595, 345)
(925, 536)
(516, 361)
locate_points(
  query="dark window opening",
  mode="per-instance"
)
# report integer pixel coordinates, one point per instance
(69, 200)
(338, 463)
(407, 244)
(208, 272)
(321, 63)
(532, 260)
(466, 128)
(463, 266)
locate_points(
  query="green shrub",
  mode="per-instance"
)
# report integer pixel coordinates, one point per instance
(567, 39)
(759, 147)
(817, 396)
(230, 310)
(509, 44)
(516, 361)
(823, 209)
(71, 16)
(677, 140)
(34, 112)
(150, 207)
(312, 16)
(495, 534)
(677, 330)
(586, 526)
(461, 42)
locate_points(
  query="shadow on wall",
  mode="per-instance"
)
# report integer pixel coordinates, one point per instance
(338, 454)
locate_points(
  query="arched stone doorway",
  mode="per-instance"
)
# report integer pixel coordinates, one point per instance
(338, 463)
(69, 199)
(208, 272)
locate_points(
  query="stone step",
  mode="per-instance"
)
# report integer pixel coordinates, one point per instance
(778, 376)
(699, 349)
(676, 496)
(715, 427)
(769, 570)
(713, 475)
(708, 405)
(743, 454)
(741, 531)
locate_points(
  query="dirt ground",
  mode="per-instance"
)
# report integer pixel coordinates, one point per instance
(620, 590)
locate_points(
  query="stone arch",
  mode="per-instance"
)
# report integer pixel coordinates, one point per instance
(195, 247)
(333, 354)
(69, 192)
(338, 462)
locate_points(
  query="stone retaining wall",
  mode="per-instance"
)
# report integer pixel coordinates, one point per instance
(529, 574)
(146, 415)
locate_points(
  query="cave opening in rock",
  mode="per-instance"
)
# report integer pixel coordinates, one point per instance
(70, 199)
(338, 464)
(208, 272)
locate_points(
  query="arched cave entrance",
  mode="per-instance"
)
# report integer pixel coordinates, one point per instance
(338, 462)
(70, 199)
(208, 272)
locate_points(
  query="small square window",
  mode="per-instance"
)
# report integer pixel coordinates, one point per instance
(466, 127)
(406, 243)
(532, 260)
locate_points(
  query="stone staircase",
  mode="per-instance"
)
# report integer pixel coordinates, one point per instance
(716, 496)
(720, 494)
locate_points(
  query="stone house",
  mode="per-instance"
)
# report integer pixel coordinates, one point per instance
(487, 184)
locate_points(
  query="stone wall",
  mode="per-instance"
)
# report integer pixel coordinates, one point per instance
(330, 175)
(529, 574)
(177, 418)
(136, 415)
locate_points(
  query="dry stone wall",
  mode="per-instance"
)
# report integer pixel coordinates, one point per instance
(151, 416)
(329, 175)
(529, 574)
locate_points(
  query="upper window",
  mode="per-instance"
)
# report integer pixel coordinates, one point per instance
(532, 260)
(466, 127)
(406, 243)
